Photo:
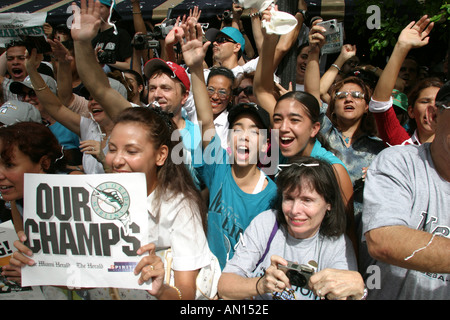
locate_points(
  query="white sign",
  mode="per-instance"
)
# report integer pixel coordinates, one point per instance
(12, 25)
(84, 230)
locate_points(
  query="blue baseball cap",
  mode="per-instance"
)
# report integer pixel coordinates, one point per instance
(108, 3)
(230, 32)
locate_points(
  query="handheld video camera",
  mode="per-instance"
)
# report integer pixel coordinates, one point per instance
(145, 41)
(164, 28)
(106, 57)
(298, 274)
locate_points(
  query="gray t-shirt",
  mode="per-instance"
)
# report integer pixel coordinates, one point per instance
(334, 253)
(403, 189)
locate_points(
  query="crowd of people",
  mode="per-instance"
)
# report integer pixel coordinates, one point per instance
(357, 208)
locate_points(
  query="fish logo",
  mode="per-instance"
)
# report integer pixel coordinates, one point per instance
(111, 201)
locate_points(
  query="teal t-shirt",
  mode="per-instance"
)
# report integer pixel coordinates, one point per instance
(230, 209)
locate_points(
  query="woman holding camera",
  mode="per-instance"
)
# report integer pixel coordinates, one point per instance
(305, 227)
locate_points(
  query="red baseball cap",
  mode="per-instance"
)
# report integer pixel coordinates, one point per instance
(178, 71)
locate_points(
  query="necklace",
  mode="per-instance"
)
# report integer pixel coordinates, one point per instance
(346, 138)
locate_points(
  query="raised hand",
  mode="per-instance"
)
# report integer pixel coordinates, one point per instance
(33, 60)
(316, 37)
(416, 35)
(60, 52)
(86, 21)
(348, 51)
(192, 46)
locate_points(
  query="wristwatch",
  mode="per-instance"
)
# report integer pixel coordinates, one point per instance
(304, 13)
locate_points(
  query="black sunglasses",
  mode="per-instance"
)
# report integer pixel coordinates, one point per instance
(223, 40)
(31, 94)
(248, 91)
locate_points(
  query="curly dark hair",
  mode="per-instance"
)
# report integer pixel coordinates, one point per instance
(34, 140)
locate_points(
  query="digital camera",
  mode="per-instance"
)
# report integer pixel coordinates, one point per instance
(298, 274)
(330, 25)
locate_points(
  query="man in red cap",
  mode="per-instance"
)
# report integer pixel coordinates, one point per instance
(168, 84)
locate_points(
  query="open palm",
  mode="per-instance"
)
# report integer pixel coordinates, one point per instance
(415, 35)
(194, 50)
(86, 21)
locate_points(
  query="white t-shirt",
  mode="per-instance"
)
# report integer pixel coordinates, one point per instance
(90, 130)
(178, 227)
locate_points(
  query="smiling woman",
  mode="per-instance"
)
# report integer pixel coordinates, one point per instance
(306, 224)
(26, 147)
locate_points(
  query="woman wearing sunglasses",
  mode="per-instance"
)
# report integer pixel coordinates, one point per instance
(348, 126)
(350, 129)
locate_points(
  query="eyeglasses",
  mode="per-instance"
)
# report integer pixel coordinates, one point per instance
(223, 94)
(344, 94)
(223, 40)
(248, 91)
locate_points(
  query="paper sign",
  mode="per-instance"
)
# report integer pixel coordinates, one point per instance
(14, 24)
(10, 290)
(84, 230)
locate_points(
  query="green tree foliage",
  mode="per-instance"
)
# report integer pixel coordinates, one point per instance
(395, 15)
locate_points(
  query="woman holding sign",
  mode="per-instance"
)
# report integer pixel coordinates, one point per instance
(141, 142)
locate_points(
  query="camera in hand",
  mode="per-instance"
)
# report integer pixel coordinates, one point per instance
(298, 274)
(331, 26)
(106, 57)
(150, 40)
(227, 15)
(145, 41)
(164, 28)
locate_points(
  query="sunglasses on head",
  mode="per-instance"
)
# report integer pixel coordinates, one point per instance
(223, 40)
(344, 94)
(248, 91)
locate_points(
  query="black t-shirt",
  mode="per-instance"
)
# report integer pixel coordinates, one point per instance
(119, 43)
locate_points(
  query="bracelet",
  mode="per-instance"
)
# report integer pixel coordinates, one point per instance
(40, 89)
(251, 15)
(179, 292)
(304, 13)
(257, 282)
(336, 66)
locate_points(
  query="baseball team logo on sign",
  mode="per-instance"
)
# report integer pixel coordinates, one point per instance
(111, 201)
